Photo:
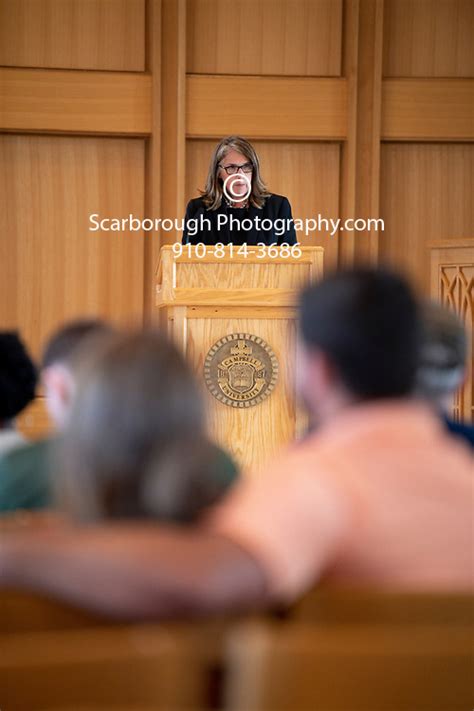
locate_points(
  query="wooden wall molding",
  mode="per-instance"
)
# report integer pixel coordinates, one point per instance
(153, 153)
(288, 108)
(70, 101)
(348, 174)
(361, 152)
(368, 125)
(166, 147)
(77, 102)
(173, 107)
(453, 243)
(428, 109)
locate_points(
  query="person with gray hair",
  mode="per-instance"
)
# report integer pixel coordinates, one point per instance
(442, 364)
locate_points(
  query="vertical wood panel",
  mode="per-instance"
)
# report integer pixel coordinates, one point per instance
(276, 37)
(429, 38)
(173, 90)
(368, 125)
(347, 193)
(73, 34)
(426, 195)
(51, 267)
(307, 173)
(153, 154)
(361, 154)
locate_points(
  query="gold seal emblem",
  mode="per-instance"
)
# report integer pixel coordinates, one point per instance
(241, 370)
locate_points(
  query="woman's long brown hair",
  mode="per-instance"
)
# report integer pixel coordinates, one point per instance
(135, 445)
(213, 192)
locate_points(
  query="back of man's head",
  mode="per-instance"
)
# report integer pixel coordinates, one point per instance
(61, 359)
(365, 323)
(62, 346)
(443, 354)
(17, 377)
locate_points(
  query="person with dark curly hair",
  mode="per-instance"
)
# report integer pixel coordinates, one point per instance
(18, 379)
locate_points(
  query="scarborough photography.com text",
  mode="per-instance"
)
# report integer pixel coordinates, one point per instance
(195, 226)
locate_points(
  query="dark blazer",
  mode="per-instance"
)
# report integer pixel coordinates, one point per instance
(461, 429)
(276, 207)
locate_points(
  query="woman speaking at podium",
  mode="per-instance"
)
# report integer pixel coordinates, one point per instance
(236, 207)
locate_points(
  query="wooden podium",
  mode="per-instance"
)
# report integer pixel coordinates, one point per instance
(206, 296)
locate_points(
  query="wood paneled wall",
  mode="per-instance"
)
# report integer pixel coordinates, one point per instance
(427, 171)
(56, 267)
(73, 34)
(424, 197)
(268, 37)
(358, 108)
(70, 69)
(428, 38)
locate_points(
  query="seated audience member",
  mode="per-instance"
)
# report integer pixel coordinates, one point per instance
(25, 471)
(442, 370)
(61, 359)
(135, 445)
(17, 388)
(379, 495)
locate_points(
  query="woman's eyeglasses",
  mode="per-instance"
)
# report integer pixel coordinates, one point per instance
(232, 169)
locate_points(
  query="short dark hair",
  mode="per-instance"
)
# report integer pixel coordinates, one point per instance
(62, 345)
(366, 321)
(18, 376)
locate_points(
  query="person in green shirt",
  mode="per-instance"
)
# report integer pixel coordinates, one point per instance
(18, 379)
(25, 469)
(24, 477)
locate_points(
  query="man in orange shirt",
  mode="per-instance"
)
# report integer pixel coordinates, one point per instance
(378, 494)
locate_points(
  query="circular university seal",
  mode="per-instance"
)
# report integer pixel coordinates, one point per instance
(240, 370)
